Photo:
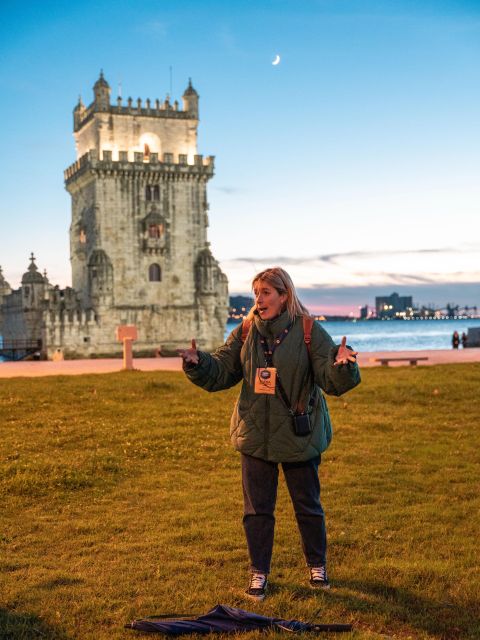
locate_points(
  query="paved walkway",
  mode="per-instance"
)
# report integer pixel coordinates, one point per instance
(77, 367)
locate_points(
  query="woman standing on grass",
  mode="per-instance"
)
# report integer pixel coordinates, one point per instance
(281, 415)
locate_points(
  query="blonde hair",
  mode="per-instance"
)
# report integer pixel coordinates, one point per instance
(279, 279)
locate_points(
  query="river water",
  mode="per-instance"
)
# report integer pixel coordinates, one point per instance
(395, 335)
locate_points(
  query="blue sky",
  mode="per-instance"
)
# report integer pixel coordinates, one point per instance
(354, 162)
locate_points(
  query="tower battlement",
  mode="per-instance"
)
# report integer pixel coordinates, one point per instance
(131, 161)
(151, 109)
(71, 318)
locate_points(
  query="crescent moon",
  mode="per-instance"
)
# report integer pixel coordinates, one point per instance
(277, 60)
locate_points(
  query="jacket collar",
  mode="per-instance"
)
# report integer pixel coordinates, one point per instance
(272, 328)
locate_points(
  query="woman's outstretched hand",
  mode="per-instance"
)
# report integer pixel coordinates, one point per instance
(344, 354)
(189, 356)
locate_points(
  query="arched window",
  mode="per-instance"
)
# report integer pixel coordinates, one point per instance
(154, 273)
(152, 192)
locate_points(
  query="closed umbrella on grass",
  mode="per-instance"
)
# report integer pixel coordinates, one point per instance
(224, 619)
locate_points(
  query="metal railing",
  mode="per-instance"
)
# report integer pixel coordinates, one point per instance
(20, 349)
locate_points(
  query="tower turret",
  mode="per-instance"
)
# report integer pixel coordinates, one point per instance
(33, 284)
(190, 100)
(5, 288)
(101, 91)
(206, 271)
(211, 288)
(78, 113)
(100, 276)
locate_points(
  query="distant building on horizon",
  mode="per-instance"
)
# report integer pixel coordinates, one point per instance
(239, 307)
(393, 306)
(138, 237)
(364, 312)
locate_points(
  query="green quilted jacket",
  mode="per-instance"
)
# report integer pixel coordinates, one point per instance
(261, 425)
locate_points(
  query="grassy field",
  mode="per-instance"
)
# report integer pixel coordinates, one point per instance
(121, 498)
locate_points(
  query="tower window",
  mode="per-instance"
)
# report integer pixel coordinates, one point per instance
(83, 237)
(155, 231)
(154, 273)
(152, 192)
(146, 150)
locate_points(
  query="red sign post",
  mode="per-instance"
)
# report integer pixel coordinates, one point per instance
(127, 333)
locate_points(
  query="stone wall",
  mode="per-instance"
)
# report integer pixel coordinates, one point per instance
(88, 335)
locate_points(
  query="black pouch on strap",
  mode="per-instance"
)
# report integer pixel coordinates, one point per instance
(301, 424)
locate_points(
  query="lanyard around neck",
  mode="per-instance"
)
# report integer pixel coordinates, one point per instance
(267, 351)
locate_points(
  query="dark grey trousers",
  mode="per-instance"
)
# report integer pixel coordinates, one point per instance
(260, 481)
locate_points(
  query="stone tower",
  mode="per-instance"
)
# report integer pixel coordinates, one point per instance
(138, 234)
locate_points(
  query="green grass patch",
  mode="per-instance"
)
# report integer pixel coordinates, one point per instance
(121, 498)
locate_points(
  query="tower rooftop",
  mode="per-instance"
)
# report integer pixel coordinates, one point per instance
(101, 82)
(33, 275)
(190, 91)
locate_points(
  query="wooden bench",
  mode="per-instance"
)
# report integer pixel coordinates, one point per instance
(412, 359)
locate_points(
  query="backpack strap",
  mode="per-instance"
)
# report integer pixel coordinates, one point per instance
(246, 324)
(307, 331)
(307, 338)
